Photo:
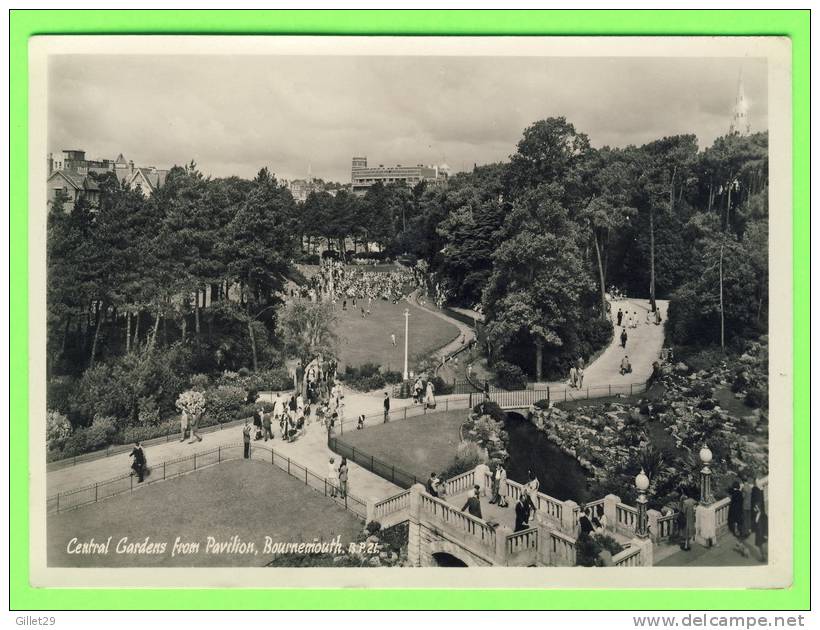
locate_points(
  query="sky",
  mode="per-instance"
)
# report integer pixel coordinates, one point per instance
(233, 115)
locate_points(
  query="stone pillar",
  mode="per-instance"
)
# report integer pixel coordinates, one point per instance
(706, 496)
(647, 550)
(481, 471)
(641, 529)
(414, 527)
(652, 517)
(705, 525)
(610, 501)
(568, 517)
(371, 510)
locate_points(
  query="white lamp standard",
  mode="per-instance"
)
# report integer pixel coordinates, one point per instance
(706, 496)
(406, 331)
(642, 484)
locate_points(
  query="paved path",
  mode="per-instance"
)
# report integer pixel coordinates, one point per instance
(310, 450)
(464, 330)
(725, 554)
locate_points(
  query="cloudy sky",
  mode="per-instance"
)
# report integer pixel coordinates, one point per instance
(234, 115)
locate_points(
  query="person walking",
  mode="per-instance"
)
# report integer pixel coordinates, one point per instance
(580, 374)
(735, 520)
(473, 503)
(257, 422)
(502, 486)
(686, 519)
(623, 337)
(494, 485)
(183, 423)
(573, 376)
(266, 425)
(522, 513)
(386, 404)
(746, 490)
(343, 472)
(393, 339)
(430, 399)
(194, 426)
(138, 465)
(246, 439)
(532, 490)
(626, 366)
(620, 316)
(332, 477)
(760, 521)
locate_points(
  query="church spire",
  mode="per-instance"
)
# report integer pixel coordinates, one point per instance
(740, 113)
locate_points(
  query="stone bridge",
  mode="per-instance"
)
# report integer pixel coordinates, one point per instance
(441, 534)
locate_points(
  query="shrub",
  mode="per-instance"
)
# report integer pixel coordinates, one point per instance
(142, 434)
(542, 404)
(58, 430)
(373, 527)
(756, 397)
(60, 392)
(509, 376)
(491, 409)
(101, 433)
(393, 377)
(468, 456)
(588, 547)
(441, 387)
(223, 403)
(200, 382)
(148, 412)
(243, 372)
(191, 401)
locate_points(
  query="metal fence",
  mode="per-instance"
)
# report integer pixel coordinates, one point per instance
(169, 469)
(383, 469)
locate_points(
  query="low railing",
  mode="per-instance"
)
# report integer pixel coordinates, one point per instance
(722, 516)
(460, 483)
(169, 469)
(383, 469)
(391, 505)
(475, 529)
(629, 557)
(350, 423)
(626, 519)
(561, 550)
(667, 528)
(520, 546)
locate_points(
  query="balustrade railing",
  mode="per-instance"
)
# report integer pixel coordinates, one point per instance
(667, 527)
(626, 519)
(477, 530)
(460, 483)
(721, 508)
(629, 557)
(391, 505)
(561, 550)
(520, 544)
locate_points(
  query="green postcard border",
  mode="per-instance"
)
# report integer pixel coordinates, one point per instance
(24, 24)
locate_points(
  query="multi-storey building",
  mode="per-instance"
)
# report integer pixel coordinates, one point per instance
(70, 172)
(363, 177)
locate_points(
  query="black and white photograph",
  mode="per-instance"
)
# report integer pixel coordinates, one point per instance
(321, 311)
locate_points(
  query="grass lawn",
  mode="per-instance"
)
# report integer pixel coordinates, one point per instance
(245, 498)
(418, 445)
(367, 340)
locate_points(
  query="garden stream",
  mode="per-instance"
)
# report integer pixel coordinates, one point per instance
(560, 475)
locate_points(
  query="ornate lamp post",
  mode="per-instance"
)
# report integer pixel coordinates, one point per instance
(706, 496)
(642, 484)
(406, 331)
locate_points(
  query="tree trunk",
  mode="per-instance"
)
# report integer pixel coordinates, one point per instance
(720, 266)
(96, 336)
(153, 342)
(137, 331)
(672, 190)
(253, 345)
(128, 331)
(652, 258)
(196, 317)
(711, 196)
(184, 326)
(539, 359)
(601, 277)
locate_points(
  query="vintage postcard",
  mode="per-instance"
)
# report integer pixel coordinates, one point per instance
(352, 312)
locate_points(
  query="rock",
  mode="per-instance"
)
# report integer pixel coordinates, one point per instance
(373, 540)
(374, 562)
(682, 368)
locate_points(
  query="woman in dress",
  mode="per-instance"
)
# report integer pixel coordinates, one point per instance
(502, 486)
(343, 471)
(332, 477)
(532, 491)
(430, 399)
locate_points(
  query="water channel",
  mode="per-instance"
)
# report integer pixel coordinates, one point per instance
(560, 475)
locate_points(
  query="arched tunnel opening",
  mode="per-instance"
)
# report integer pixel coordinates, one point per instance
(444, 559)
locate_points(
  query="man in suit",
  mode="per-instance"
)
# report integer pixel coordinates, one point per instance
(473, 504)
(522, 513)
(386, 407)
(266, 425)
(246, 438)
(431, 485)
